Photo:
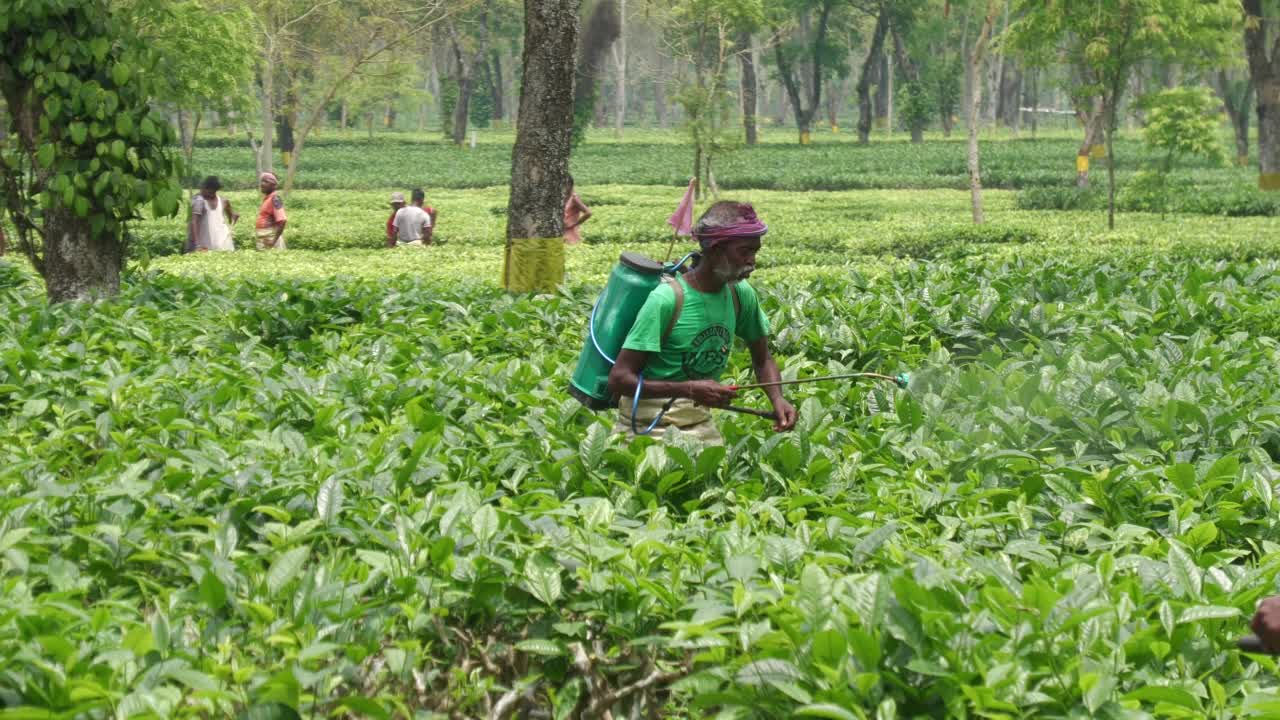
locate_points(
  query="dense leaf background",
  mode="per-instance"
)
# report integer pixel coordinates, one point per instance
(352, 483)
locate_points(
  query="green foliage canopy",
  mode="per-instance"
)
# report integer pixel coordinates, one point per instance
(83, 137)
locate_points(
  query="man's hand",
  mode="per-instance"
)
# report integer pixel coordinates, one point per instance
(787, 415)
(1266, 624)
(710, 393)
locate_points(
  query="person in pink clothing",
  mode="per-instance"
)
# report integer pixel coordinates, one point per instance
(575, 213)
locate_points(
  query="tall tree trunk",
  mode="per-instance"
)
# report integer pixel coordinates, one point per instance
(1236, 101)
(462, 110)
(659, 90)
(1007, 96)
(912, 73)
(874, 54)
(810, 70)
(1034, 93)
(888, 79)
(496, 85)
(540, 158)
(1268, 92)
(1094, 119)
(972, 66)
(1265, 71)
(966, 91)
(746, 61)
(620, 64)
(286, 121)
(466, 65)
(188, 126)
(882, 82)
(836, 88)
(1015, 106)
(992, 78)
(78, 264)
(265, 149)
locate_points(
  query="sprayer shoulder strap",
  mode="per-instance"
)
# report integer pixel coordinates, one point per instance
(678, 290)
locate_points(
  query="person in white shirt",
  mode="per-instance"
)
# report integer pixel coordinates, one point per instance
(211, 219)
(412, 224)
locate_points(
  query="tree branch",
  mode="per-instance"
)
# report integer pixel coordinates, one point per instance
(601, 704)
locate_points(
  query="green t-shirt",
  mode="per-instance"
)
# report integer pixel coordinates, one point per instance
(698, 347)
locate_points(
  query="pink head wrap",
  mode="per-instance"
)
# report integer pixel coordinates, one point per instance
(269, 177)
(747, 226)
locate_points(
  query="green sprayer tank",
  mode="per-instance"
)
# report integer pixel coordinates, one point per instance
(632, 279)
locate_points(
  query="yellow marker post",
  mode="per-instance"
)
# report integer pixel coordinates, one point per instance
(1269, 181)
(533, 265)
(1098, 152)
(1082, 163)
(804, 138)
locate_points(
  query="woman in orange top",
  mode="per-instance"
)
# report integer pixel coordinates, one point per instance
(271, 217)
(575, 213)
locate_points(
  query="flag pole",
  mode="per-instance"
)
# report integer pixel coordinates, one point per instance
(675, 232)
(671, 248)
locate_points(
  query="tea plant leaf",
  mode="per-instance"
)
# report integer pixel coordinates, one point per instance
(1172, 695)
(329, 500)
(825, 710)
(484, 524)
(868, 545)
(285, 568)
(1186, 575)
(1207, 612)
(542, 578)
(768, 672)
(363, 707)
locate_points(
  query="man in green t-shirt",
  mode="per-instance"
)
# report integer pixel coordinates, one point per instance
(682, 361)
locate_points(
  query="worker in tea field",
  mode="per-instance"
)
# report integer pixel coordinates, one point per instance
(1266, 624)
(397, 202)
(211, 219)
(412, 224)
(576, 212)
(271, 217)
(683, 334)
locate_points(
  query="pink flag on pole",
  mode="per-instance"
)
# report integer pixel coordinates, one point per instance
(682, 218)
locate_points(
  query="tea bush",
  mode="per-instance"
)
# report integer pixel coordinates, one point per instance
(345, 481)
(352, 484)
(837, 222)
(832, 163)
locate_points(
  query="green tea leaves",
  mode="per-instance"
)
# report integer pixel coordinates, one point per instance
(285, 568)
(542, 578)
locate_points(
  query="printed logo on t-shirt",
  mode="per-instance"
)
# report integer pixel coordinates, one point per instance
(709, 353)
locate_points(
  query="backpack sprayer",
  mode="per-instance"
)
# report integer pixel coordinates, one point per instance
(632, 280)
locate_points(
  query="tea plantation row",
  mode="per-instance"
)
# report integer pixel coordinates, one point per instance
(919, 224)
(352, 484)
(834, 162)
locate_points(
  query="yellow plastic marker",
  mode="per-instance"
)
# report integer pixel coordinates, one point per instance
(804, 138)
(1098, 151)
(1269, 181)
(1082, 163)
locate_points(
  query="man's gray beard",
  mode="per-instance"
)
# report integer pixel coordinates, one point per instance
(732, 273)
